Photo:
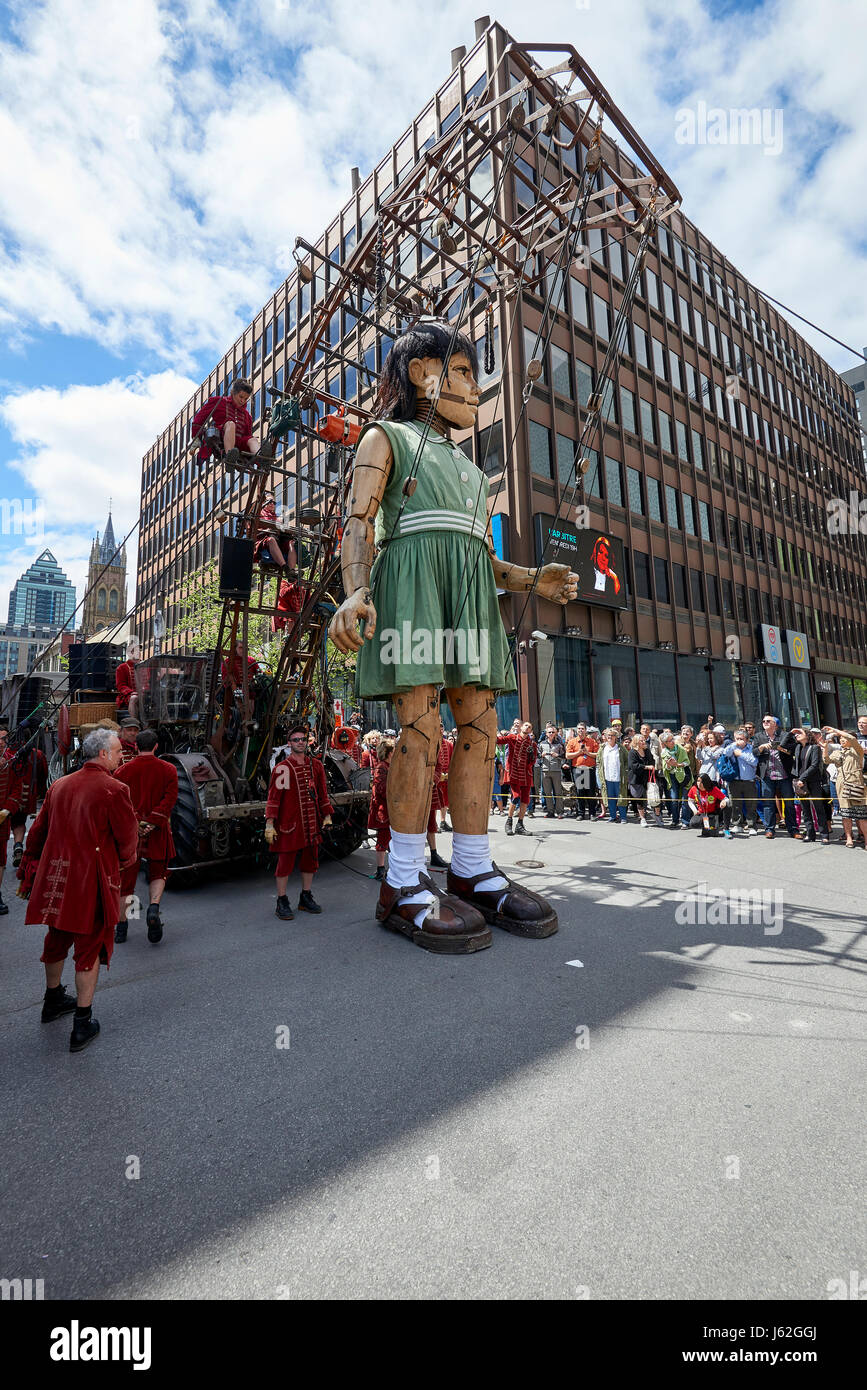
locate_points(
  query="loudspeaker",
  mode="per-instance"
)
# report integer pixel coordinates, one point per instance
(236, 567)
(34, 692)
(92, 666)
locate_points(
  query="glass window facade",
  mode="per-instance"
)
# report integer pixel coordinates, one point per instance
(658, 688)
(614, 678)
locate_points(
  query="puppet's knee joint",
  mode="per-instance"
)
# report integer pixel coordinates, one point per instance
(476, 716)
(419, 714)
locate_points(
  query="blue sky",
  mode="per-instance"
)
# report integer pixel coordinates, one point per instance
(165, 158)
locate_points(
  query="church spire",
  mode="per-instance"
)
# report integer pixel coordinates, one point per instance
(109, 545)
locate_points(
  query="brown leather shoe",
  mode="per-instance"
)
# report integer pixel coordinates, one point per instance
(523, 912)
(456, 930)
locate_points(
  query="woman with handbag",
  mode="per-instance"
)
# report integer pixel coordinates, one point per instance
(807, 772)
(639, 769)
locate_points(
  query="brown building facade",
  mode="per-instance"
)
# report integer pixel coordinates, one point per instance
(713, 478)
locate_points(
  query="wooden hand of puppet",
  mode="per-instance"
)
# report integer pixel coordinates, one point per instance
(557, 582)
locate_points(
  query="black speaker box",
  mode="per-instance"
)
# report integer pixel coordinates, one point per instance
(92, 666)
(34, 692)
(236, 567)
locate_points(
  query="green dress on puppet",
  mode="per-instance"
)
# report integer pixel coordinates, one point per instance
(438, 619)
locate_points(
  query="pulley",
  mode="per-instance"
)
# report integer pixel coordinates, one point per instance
(582, 466)
(534, 369)
(446, 240)
(517, 117)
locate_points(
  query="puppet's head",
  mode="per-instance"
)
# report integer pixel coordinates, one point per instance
(412, 372)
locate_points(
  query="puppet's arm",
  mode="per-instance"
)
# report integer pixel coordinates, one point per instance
(369, 478)
(555, 582)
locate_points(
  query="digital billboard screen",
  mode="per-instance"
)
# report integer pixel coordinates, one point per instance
(595, 556)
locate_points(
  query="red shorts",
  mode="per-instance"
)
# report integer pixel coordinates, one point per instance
(243, 444)
(5, 830)
(87, 949)
(157, 868)
(308, 861)
(521, 793)
(383, 837)
(432, 820)
(18, 818)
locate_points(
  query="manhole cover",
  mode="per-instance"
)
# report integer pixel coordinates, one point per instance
(529, 864)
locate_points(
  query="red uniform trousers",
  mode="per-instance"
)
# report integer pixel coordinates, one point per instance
(519, 792)
(87, 948)
(308, 862)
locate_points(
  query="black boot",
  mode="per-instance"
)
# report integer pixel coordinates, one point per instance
(437, 861)
(509, 828)
(284, 911)
(519, 828)
(380, 874)
(307, 902)
(155, 926)
(4, 907)
(57, 1003)
(16, 855)
(120, 933)
(84, 1030)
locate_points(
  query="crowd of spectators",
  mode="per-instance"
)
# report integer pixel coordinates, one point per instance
(741, 781)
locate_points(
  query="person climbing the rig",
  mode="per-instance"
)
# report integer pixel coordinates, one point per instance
(124, 679)
(224, 425)
(268, 548)
(296, 812)
(430, 615)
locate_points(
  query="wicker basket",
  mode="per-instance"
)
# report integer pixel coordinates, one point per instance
(90, 714)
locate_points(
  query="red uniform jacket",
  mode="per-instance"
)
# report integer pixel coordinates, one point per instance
(153, 789)
(289, 600)
(11, 784)
(129, 747)
(34, 780)
(221, 409)
(124, 680)
(520, 759)
(440, 798)
(231, 673)
(86, 832)
(268, 513)
(378, 815)
(297, 804)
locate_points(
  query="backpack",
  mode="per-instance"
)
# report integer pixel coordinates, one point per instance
(727, 767)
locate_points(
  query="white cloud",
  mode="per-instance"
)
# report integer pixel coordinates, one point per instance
(162, 162)
(75, 450)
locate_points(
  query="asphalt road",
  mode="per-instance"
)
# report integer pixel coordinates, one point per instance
(678, 1116)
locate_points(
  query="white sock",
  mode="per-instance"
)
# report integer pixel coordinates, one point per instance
(471, 855)
(405, 863)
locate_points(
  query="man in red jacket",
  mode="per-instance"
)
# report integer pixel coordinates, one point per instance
(520, 760)
(124, 679)
(34, 783)
(297, 810)
(11, 793)
(153, 789)
(85, 834)
(226, 420)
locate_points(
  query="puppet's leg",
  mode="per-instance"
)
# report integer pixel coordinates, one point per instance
(473, 877)
(407, 900)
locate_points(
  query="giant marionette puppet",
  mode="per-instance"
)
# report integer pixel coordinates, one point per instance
(428, 608)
